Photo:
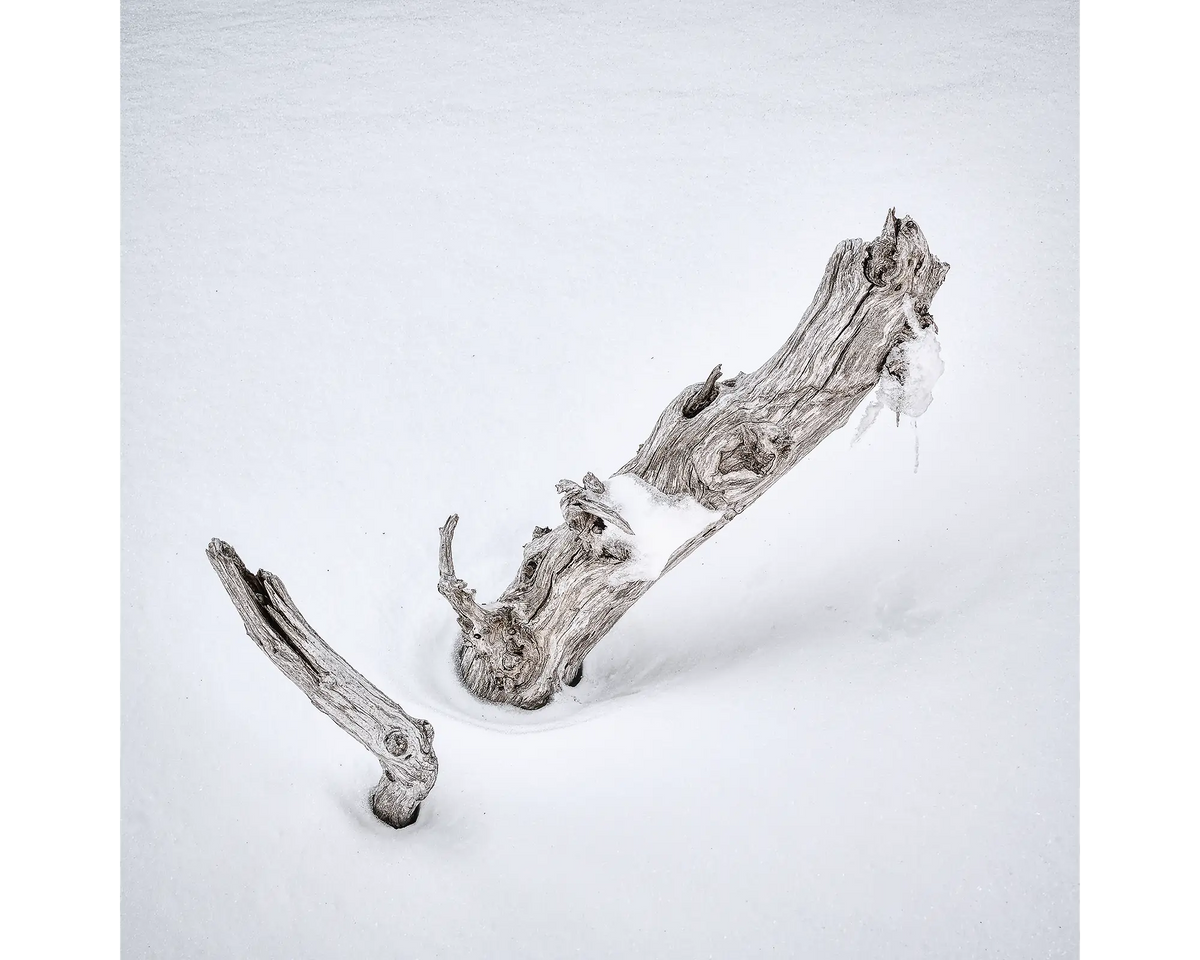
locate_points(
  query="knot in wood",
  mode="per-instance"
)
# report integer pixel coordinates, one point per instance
(396, 743)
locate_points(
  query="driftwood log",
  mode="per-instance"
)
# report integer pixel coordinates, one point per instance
(716, 449)
(402, 744)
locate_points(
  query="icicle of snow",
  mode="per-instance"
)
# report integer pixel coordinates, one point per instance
(868, 418)
(916, 447)
(661, 524)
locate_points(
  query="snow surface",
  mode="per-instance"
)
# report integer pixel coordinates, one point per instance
(385, 262)
(660, 525)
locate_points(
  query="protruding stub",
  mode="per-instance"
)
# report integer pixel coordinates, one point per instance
(577, 500)
(892, 223)
(881, 252)
(705, 394)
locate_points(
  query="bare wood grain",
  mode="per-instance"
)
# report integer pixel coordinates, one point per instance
(721, 443)
(402, 744)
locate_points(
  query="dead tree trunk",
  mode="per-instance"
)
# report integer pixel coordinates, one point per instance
(716, 449)
(402, 744)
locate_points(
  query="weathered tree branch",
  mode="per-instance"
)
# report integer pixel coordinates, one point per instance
(403, 745)
(714, 451)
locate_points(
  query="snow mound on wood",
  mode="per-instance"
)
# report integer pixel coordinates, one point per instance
(920, 363)
(660, 523)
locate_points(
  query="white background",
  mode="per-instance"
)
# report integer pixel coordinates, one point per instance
(381, 264)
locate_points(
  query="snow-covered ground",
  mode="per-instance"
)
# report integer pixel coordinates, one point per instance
(384, 262)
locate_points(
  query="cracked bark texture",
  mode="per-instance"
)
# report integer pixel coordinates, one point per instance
(402, 744)
(722, 443)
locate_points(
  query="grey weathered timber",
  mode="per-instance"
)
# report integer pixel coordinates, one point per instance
(719, 445)
(402, 744)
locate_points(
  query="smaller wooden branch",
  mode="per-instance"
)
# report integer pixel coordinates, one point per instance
(403, 745)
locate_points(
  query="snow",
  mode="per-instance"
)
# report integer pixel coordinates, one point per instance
(386, 262)
(661, 524)
(919, 361)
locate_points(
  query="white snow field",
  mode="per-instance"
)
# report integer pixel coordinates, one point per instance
(388, 261)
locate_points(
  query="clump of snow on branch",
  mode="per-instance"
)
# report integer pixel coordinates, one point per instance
(919, 365)
(909, 375)
(660, 523)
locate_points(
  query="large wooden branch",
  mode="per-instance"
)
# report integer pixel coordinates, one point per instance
(716, 449)
(403, 745)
